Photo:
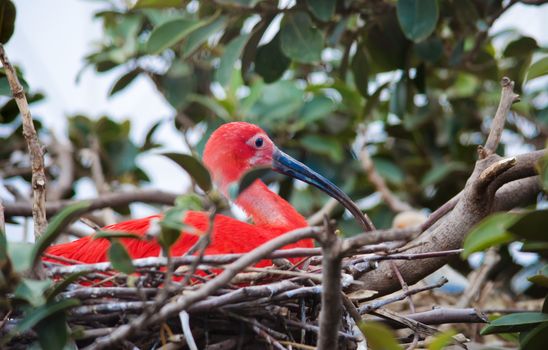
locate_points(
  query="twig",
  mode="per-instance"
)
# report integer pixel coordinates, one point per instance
(393, 202)
(2, 219)
(398, 297)
(446, 315)
(64, 161)
(327, 208)
(491, 258)
(103, 201)
(507, 98)
(34, 147)
(355, 242)
(330, 314)
(185, 324)
(201, 246)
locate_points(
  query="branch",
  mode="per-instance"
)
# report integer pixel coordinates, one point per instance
(330, 314)
(474, 203)
(507, 98)
(393, 202)
(446, 315)
(34, 147)
(64, 161)
(107, 200)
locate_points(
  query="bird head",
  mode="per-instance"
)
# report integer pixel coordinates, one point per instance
(237, 147)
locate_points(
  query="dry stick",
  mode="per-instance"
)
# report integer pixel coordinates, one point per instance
(490, 260)
(2, 219)
(405, 289)
(372, 306)
(184, 301)
(34, 147)
(63, 159)
(447, 315)
(330, 314)
(507, 99)
(327, 209)
(103, 201)
(393, 202)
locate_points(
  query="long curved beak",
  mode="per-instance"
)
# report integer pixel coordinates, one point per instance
(289, 166)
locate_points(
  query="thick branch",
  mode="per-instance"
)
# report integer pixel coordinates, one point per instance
(107, 200)
(34, 147)
(330, 314)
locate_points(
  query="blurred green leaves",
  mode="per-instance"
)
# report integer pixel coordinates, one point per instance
(417, 18)
(7, 20)
(300, 40)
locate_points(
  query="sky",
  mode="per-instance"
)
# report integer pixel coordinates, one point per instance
(51, 40)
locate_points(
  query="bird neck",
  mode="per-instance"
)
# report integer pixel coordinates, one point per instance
(268, 209)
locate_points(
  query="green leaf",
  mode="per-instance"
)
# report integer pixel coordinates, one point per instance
(159, 4)
(270, 61)
(21, 255)
(360, 70)
(230, 55)
(531, 226)
(32, 291)
(536, 338)
(441, 340)
(398, 100)
(440, 172)
(170, 33)
(52, 331)
(318, 108)
(35, 315)
(538, 69)
(326, 146)
(193, 167)
(386, 45)
(124, 81)
(7, 20)
(57, 225)
(300, 40)
(430, 50)
(119, 257)
(3, 246)
(279, 102)
(63, 284)
(322, 9)
(523, 46)
(517, 322)
(417, 18)
(189, 201)
(201, 35)
(490, 231)
(379, 336)
(389, 170)
(541, 278)
(172, 225)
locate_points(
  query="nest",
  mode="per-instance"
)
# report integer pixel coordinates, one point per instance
(276, 306)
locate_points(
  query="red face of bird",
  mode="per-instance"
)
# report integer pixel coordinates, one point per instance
(235, 148)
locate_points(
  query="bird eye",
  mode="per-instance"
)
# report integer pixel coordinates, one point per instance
(259, 142)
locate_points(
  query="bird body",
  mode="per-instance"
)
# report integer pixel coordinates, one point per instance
(232, 150)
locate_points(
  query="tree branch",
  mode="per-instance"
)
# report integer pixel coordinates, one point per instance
(330, 314)
(507, 98)
(34, 147)
(107, 200)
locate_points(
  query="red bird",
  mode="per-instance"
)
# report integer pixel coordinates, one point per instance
(232, 150)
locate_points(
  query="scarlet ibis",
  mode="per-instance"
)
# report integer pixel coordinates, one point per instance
(232, 150)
